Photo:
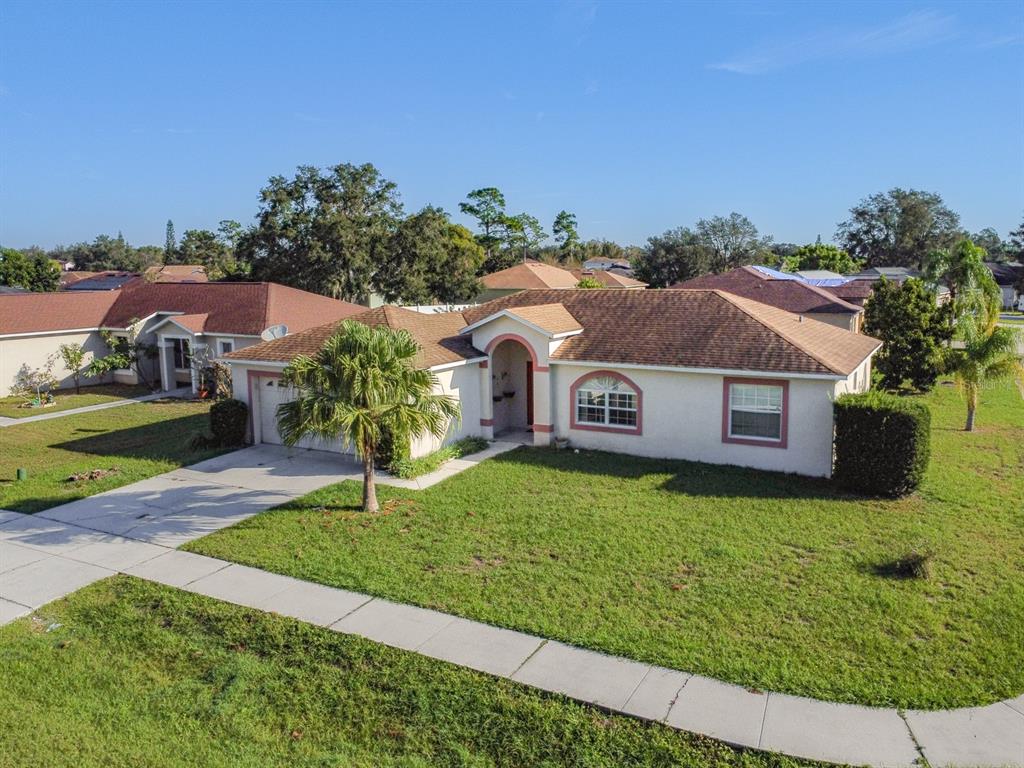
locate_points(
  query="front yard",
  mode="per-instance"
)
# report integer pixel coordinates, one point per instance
(127, 673)
(66, 399)
(770, 581)
(124, 444)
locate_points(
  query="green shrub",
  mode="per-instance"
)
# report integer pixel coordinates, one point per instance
(882, 443)
(408, 468)
(392, 450)
(228, 422)
(914, 564)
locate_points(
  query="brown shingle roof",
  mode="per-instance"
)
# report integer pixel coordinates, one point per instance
(59, 311)
(790, 295)
(437, 335)
(529, 274)
(553, 318)
(232, 308)
(177, 273)
(692, 328)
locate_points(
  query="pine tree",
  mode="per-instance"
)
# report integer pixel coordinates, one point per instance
(170, 244)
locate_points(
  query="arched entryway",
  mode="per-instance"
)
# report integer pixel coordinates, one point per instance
(511, 368)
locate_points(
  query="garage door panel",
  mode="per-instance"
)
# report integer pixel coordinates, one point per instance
(272, 394)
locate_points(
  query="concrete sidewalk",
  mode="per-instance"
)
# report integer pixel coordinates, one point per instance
(132, 530)
(6, 421)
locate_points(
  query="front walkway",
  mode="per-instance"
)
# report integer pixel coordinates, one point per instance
(133, 530)
(6, 421)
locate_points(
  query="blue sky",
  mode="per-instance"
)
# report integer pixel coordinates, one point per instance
(637, 117)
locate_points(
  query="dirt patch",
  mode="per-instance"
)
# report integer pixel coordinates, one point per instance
(92, 474)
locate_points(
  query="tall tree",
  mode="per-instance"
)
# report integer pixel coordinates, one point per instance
(820, 256)
(1015, 244)
(990, 241)
(524, 234)
(170, 244)
(431, 260)
(732, 242)
(487, 206)
(987, 352)
(672, 257)
(36, 273)
(324, 231)
(565, 234)
(898, 228)
(362, 385)
(913, 328)
(961, 269)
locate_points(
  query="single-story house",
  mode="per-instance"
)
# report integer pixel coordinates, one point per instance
(532, 275)
(187, 322)
(609, 279)
(696, 374)
(607, 263)
(1009, 276)
(784, 291)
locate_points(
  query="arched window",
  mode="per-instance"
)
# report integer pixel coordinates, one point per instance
(606, 400)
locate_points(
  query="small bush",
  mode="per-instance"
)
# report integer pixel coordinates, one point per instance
(915, 564)
(883, 443)
(392, 451)
(229, 420)
(408, 468)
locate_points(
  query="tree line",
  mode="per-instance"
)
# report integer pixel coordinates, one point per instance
(342, 231)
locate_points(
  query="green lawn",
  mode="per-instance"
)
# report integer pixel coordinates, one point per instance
(136, 441)
(129, 673)
(771, 581)
(66, 399)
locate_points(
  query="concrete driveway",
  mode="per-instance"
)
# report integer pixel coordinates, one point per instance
(182, 505)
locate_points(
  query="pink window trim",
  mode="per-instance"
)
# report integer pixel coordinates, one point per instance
(574, 424)
(784, 431)
(250, 376)
(493, 343)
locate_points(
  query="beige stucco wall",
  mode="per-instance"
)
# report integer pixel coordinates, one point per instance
(33, 351)
(461, 383)
(682, 419)
(845, 320)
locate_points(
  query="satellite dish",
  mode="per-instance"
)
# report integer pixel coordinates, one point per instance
(274, 332)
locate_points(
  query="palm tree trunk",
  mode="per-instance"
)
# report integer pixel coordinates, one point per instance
(972, 405)
(369, 485)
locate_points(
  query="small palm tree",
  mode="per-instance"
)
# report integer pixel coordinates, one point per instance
(989, 351)
(362, 385)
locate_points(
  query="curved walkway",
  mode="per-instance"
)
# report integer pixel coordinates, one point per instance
(133, 529)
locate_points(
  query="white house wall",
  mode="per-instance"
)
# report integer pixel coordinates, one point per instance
(34, 351)
(462, 383)
(682, 419)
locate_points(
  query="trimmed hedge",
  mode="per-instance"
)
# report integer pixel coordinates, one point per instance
(229, 420)
(883, 443)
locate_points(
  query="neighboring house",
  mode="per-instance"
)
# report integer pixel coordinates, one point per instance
(186, 321)
(700, 374)
(176, 273)
(1010, 277)
(608, 279)
(621, 265)
(815, 275)
(784, 291)
(13, 289)
(108, 280)
(536, 275)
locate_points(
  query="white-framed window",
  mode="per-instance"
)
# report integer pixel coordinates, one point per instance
(606, 401)
(756, 412)
(226, 345)
(182, 354)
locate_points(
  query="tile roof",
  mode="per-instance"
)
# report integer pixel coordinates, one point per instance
(232, 308)
(529, 274)
(437, 334)
(792, 295)
(608, 279)
(693, 329)
(553, 318)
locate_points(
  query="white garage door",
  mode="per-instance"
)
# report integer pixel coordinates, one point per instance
(271, 395)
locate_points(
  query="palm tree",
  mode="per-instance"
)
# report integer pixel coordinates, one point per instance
(989, 351)
(363, 384)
